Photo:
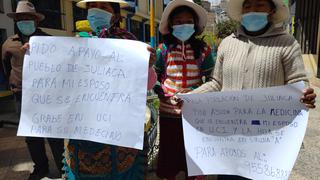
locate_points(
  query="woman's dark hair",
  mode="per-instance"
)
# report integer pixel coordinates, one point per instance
(116, 9)
(271, 3)
(196, 44)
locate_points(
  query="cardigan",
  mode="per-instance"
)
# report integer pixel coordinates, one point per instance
(245, 62)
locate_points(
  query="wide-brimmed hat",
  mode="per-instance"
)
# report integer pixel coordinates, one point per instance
(281, 14)
(26, 7)
(83, 3)
(200, 11)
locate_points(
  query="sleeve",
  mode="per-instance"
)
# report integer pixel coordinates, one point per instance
(152, 78)
(293, 65)
(208, 63)
(159, 68)
(159, 64)
(215, 80)
(5, 60)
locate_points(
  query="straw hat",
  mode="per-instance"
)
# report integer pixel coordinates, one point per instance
(281, 14)
(83, 3)
(26, 7)
(201, 12)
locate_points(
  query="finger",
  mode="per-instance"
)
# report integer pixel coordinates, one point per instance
(311, 96)
(308, 91)
(310, 106)
(150, 49)
(310, 102)
(308, 97)
(180, 104)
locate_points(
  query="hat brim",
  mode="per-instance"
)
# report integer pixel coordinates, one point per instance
(39, 17)
(83, 4)
(281, 14)
(201, 12)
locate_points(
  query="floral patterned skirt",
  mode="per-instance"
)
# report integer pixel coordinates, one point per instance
(94, 161)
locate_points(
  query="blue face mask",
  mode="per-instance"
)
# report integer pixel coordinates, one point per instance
(183, 32)
(254, 21)
(26, 27)
(99, 19)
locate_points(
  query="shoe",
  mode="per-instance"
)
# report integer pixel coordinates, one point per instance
(38, 174)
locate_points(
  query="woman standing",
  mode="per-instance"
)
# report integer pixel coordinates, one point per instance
(182, 62)
(89, 160)
(260, 54)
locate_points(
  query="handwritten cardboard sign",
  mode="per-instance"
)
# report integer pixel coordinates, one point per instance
(85, 88)
(251, 133)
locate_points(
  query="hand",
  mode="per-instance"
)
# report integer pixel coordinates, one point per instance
(184, 91)
(171, 101)
(309, 98)
(153, 56)
(25, 47)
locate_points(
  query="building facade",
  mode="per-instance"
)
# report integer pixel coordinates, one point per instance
(6, 23)
(62, 15)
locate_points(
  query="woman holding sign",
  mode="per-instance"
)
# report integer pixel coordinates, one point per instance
(260, 54)
(90, 160)
(182, 62)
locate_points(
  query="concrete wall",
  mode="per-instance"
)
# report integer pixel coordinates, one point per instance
(6, 22)
(143, 9)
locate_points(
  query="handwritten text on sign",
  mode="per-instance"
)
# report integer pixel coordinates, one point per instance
(90, 89)
(252, 133)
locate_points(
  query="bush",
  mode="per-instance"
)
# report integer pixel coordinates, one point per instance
(209, 38)
(224, 29)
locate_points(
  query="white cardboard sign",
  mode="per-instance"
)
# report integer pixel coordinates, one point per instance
(251, 133)
(85, 88)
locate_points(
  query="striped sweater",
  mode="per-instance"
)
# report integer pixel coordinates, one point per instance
(245, 62)
(178, 69)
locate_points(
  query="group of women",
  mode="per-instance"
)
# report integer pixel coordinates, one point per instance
(260, 54)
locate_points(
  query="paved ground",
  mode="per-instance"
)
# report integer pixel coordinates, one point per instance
(15, 162)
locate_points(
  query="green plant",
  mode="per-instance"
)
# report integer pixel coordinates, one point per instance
(209, 37)
(224, 29)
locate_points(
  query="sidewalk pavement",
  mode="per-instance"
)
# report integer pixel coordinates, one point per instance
(16, 164)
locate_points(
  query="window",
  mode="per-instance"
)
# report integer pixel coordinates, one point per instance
(78, 14)
(136, 29)
(165, 3)
(51, 9)
(1, 6)
(3, 81)
(147, 32)
(132, 5)
(3, 35)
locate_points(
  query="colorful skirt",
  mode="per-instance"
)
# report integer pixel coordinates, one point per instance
(94, 161)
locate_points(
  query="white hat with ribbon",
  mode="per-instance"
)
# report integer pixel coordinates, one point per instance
(281, 14)
(200, 11)
(83, 3)
(26, 7)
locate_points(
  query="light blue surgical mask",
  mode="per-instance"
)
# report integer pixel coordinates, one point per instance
(99, 19)
(254, 21)
(26, 27)
(183, 32)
